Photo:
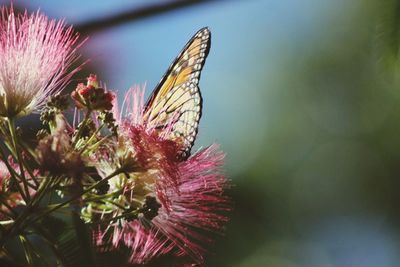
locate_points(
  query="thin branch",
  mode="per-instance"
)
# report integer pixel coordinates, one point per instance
(136, 14)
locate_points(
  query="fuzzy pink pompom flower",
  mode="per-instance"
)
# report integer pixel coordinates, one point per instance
(177, 203)
(35, 53)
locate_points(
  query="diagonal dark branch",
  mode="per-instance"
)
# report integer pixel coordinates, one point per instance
(137, 14)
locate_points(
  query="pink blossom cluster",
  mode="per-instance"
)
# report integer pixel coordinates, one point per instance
(35, 56)
(190, 192)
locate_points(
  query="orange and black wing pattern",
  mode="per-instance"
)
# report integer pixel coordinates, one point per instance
(175, 105)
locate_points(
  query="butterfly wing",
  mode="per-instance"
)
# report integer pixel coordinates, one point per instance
(175, 105)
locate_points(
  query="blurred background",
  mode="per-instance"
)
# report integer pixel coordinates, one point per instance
(303, 96)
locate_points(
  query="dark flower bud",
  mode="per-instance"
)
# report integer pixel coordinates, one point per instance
(130, 214)
(59, 102)
(54, 106)
(108, 118)
(41, 134)
(150, 208)
(102, 189)
(47, 115)
(87, 129)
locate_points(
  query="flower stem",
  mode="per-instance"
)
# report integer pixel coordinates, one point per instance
(81, 126)
(72, 199)
(25, 214)
(116, 218)
(14, 175)
(14, 139)
(4, 202)
(101, 141)
(91, 138)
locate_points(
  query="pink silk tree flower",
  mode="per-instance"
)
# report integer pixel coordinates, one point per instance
(35, 54)
(175, 204)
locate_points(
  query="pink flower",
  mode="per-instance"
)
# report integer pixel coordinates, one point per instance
(35, 53)
(178, 203)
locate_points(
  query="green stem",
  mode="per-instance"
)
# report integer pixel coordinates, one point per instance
(42, 190)
(27, 249)
(116, 218)
(32, 176)
(81, 126)
(100, 197)
(102, 140)
(14, 138)
(72, 199)
(21, 219)
(33, 251)
(91, 138)
(13, 174)
(32, 156)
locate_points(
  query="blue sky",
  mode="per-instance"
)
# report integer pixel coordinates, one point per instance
(250, 42)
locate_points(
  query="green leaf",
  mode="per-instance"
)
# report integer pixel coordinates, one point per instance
(70, 240)
(85, 240)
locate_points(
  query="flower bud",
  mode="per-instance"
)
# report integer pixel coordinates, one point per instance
(91, 96)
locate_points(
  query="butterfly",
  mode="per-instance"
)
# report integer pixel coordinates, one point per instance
(176, 100)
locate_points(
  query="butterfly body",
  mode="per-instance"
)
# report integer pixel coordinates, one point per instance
(175, 106)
